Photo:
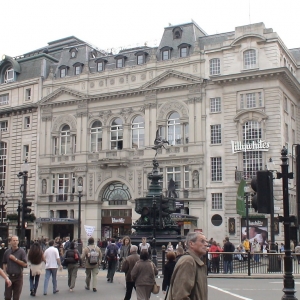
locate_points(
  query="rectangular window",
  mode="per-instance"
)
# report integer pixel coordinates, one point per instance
(215, 105)
(25, 152)
(63, 73)
(216, 168)
(259, 99)
(4, 99)
(28, 94)
(77, 70)
(250, 98)
(140, 59)
(165, 55)
(216, 201)
(63, 187)
(186, 177)
(285, 104)
(55, 146)
(242, 101)
(294, 136)
(292, 110)
(183, 52)
(4, 126)
(175, 174)
(27, 122)
(100, 67)
(215, 134)
(286, 132)
(252, 162)
(120, 63)
(250, 59)
(214, 66)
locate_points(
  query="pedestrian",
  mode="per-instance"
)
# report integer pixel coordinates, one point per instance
(168, 270)
(256, 249)
(7, 280)
(215, 257)
(73, 260)
(14, 260)
(111, 254)
(35, 260)
(227, 258)
(143, 273)
(2, 250)
(189, 279)
(92, 256)
(52, 263)
(127, 266)
(179, 253)
(124, 250)
(145, 246)
(297, 252)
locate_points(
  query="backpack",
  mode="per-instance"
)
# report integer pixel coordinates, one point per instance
(70, 257)
(112, 252)
(94, 256)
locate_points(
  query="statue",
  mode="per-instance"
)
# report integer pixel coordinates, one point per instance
(44, 186)
(159, 142)
(171, 189)
(195, 179)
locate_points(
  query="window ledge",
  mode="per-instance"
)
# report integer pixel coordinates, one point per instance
(250, 70)
(216, 144)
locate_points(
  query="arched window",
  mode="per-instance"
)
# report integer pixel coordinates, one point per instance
(138, 132)
(116, 134)
(250, 59)
(174, 129)
(252, 160)
(96, 136)
(3, 157)
(116, 193)
(65, 140)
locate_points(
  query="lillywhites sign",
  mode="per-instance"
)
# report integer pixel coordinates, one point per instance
(115, 220)
(258, 145)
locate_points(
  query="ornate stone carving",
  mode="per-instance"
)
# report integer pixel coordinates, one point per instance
(92, 84)
(83, 85)
(151, 74)
(105, 114)
(44, 186)
(112, 81)
(172, 106)
(133, 78)
(99, 177)
(196, 179)
(64, 119)
(140, 182)
(93, 156)
(121, 80)
(101, 83)
(143, 76)
(91, 184)
(51, 75)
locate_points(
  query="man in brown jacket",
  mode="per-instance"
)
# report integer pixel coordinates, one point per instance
(127, 266)
(189, 279)
(91, 270)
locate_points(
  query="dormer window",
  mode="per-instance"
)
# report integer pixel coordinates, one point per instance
(177, 33)
(120, 61)
(73, 52)
(63, 71)
(100, 64)
(166, 53)
(141, 57)
(77, 68)
(184, 49)
(9, 75)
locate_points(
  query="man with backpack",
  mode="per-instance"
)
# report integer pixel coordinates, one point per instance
(111, 254)
(92, 256)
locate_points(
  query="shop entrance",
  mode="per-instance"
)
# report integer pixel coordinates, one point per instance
(115, 231)
(63, 230)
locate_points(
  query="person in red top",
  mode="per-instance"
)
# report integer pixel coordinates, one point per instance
(215, 257)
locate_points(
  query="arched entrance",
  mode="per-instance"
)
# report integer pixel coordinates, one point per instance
(116, 215)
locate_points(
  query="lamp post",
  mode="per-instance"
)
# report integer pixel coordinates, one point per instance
(25, 169)
(288, 278)
(3, 202)
(154, 253)
(79, 189)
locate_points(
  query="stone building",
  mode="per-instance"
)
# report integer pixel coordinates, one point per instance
(208, 95)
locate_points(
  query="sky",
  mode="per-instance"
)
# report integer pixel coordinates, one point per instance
(30, 24)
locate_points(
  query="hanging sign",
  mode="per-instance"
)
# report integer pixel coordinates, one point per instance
(258, 145)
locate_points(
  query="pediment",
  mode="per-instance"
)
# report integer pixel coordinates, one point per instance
(62, 94)
(171, 78)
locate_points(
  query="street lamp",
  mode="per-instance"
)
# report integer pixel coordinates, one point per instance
(3, 202)
(79, 189)
(288, 278)
(154, 253)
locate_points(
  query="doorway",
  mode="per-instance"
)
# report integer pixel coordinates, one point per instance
(63, 230)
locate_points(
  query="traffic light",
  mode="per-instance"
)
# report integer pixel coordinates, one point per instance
(262, 184)
(163, 210)
(26, 210)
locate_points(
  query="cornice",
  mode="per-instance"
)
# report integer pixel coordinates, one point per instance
(281, 73)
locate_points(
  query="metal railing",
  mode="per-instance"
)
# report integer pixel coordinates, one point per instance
(259, 263)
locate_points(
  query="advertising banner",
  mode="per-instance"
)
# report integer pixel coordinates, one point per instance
(258, 229)
(89, 230)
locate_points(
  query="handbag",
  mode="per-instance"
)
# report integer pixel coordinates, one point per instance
(156, 288)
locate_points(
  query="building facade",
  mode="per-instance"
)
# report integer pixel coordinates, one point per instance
(226, 103)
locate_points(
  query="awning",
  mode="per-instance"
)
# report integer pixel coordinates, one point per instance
(56, 220)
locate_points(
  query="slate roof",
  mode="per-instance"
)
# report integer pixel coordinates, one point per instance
(296, 54)
(214, 39)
